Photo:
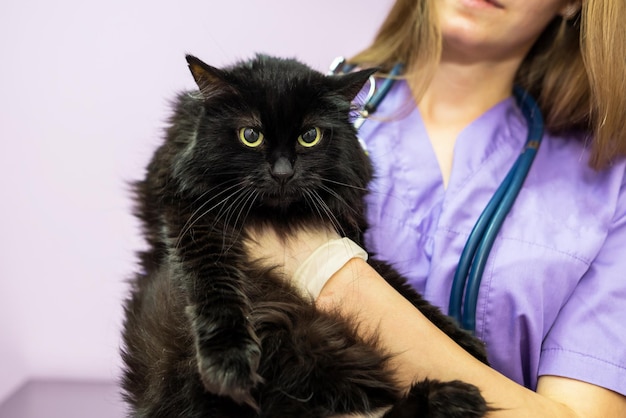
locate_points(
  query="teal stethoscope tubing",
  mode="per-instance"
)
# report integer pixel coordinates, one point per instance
(474, 257)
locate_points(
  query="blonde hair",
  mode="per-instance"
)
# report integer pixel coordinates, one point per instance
(576, 70)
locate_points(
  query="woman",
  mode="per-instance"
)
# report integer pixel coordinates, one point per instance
(551, 305)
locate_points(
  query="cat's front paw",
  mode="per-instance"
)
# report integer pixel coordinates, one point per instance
(436, 399)
(232, 372)
(457, 399)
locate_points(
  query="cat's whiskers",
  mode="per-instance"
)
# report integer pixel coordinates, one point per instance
(194, 218)
(217, 186)
(252, 194)
(206, 202)
(227, 213)
(369, 191)
(329, 214)
(340, 198)
(351, 186)
(313, 204)
(224, 211)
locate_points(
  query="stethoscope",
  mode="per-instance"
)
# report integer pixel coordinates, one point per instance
(469, 272)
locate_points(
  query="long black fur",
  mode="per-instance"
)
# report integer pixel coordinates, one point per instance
(210, 332)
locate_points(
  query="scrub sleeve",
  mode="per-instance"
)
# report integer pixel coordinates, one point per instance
(552, 299)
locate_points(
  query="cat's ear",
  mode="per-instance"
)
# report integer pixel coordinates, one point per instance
(209, 79)
(349, 85)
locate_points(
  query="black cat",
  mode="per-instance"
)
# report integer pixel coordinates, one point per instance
(209, 332)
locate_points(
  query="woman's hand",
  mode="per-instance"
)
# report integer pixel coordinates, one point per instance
(423, 351)
(287, 252)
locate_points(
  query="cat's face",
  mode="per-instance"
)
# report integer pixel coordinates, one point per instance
(274, 134)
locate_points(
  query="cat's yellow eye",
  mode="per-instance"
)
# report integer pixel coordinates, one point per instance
(310, 138)
(250, 137)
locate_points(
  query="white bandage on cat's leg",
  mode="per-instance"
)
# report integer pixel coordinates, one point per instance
(329, 258)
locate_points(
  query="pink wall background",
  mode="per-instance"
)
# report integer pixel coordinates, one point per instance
(84, 88)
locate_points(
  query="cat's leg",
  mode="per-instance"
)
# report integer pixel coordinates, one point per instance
(205, 257)
(227, 349)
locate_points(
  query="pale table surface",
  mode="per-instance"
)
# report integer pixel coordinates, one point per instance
(61, 399)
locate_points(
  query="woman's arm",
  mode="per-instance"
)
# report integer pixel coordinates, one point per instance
(423, 351)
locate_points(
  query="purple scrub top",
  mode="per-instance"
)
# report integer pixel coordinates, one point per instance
(553, 296)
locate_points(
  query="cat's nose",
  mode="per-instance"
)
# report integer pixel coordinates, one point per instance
(282, 170)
